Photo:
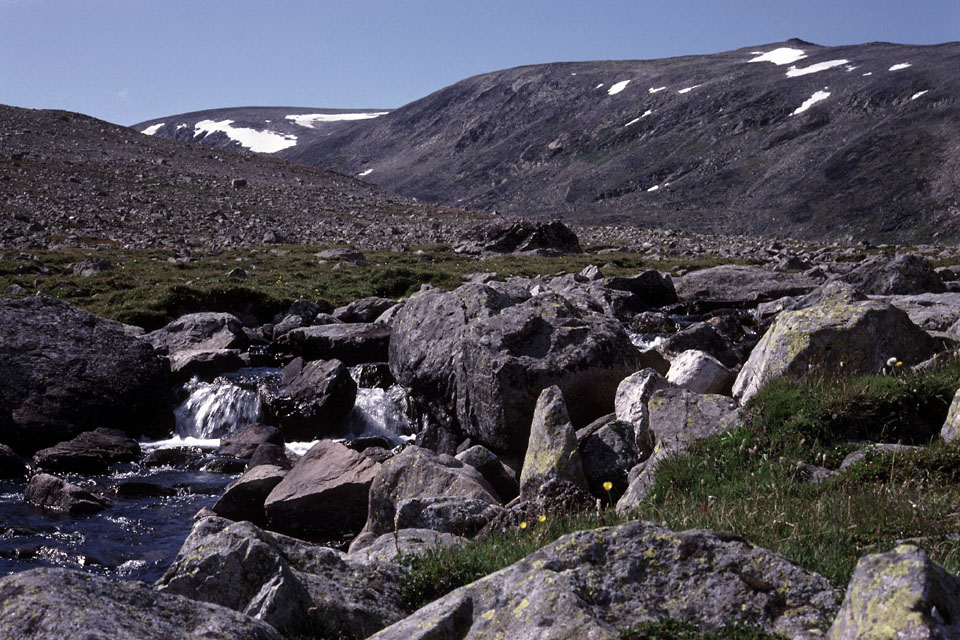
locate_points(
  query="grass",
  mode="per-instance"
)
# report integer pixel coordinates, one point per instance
(670, 629)
(151, 287)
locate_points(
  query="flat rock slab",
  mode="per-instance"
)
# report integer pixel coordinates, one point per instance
(53, 604)
(742, 283)
(90, 452)
(351, 343)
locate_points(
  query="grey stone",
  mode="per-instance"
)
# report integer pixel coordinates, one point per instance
(313, 399)
(243, 443)
(446, 514)
(552, 452)
(363, 310)
(405, 543)
(608, 455)
(738, 282)
(951, 426)
(352, 343)
(699, 372)
(500, 476)
(244, 497)
(90, 452)
(53, 493)
(904, 274)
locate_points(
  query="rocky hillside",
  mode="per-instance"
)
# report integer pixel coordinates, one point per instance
(783, 139)
(70, 180)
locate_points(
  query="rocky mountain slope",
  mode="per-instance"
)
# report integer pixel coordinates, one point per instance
(781, 139)
(70, 180)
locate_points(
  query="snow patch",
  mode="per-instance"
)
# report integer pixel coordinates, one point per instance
(152, 129)
(182, 125)
(688, 89)
(655, 90)
(634, 121)
(618, 87)
(902, 65)
(646, 113)
(598, 86)
(812, 100)
(654, 188)
(850, 67)
(793, 72)
(868, 73)
(310, 120)
(781, 56)
(258, 141)
(918, 94)
(365, 173)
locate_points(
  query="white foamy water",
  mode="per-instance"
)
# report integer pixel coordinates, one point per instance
(215, 409)
(645, 342)
(381, 412)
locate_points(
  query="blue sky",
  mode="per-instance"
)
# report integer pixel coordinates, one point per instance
(131, 60)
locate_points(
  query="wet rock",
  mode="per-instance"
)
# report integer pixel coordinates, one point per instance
(552, 452)
(224, 465)
(420, 473)
(364, 309)
(90, 452)
(313, 399)
(592, 584)
(699, 372)
(64, 371)
(702, 336)
(904, 274)
(652, 322)
(294, 586)
(373, 375)
(270, 453)
(369, 548)
(173, 457)
(899, 594)
(51, 604)
(324, 495)
(205, 363)
(244, 497)
(352, 343)
(243, 443)
(649, 289)
(831, 339)
(11, 466)
(53, 493)
(199, 331)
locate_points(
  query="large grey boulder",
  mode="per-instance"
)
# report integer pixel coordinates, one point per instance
(296, 587)
(552, 452)
(404, 542)
(419, 473)
(242, 444)
(352, 343)
(56, 494)
(608, 453)
(64, 371)
(833, 338)
(930, 311)
(699, 372)
(324, 495)
(633, 394)
(904, 274)
(203, 344)
(243, 498)
(592, 584)
(446, 514)
(741, 283)
(90, 452)
(52, 604)
(364, 309)
(312, 400)
(902, 595)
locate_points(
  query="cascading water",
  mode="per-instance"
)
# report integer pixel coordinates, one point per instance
(227, 404)
(381, 412)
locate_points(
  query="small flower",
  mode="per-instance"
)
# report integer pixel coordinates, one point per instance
(899, 364)
(607, 486)
(523, 525)
(542, 519)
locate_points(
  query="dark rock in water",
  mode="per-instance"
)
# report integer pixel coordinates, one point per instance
(652, 322)
(90, 452)
(296, 587)
(144, 490)
(64, 371)
(243, 498)
(353, 343)
(903, 274)
(50, 492)
(173, 457)
(11, 466)
(324, 495)
(243, 443)
(363, 310)
(205, 363)
(224, 465)
(373, 375)
(378, 454)
(362, 444)
(313, 399)
(270, 453)
(550, 238)
(52, 604)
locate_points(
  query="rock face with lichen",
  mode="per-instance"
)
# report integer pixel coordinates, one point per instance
(836, 337)
(899, 595)
(591, 584)
(552, 450)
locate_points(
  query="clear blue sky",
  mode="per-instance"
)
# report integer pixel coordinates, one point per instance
(131, 60)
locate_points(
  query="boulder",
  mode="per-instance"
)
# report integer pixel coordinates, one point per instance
(875, 448)
(90, 452)
(203, 344)
(904, 274)
(312, 400)
(52, 604)
(173, 457)
(243, 443)
(204, 363)
(501, 477)
(930, 311)
(272, 454)
(649, 289)
(352, 343)
(742, 283)
(324, 495)
(11, 466)
(420, 473)
(53, 493)
(363, 310)
(702, 336)
(343, 254)
(478, 357)
(369, 548)
(951, 426)
(608, 454)
(633, 393)
(64, 371)
(593, 584)
(699, 372)
(447, 514)
(552, 449)
(373, 375)
(296, 587)
(899, 594)
(244, 497)
(833, 338)
(549, 238)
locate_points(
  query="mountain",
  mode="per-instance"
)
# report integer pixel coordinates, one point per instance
(259, 129)
(71, 180)
(789, 139)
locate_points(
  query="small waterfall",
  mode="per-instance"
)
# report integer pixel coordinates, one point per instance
(381, 412)
(225, 405)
